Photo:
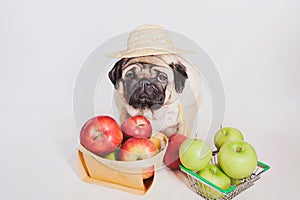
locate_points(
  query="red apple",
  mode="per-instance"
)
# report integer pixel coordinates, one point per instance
(101, 135)
(171, 158)
(139, 149)
(148, 172)
(136, 126)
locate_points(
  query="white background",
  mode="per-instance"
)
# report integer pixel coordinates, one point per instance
(255, 46)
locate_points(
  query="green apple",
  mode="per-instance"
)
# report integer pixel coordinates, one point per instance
(226, 134)
(237, 158)
(195, 154)
(114, 155)
(111, 156)
(215, 175)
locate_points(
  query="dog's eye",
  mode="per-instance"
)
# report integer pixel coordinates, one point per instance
(162, 77)
(129, 74)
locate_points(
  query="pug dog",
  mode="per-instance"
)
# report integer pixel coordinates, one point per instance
(150, 86)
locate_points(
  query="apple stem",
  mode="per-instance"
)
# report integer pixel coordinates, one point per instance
(100, 134)
(95, 138)
(140, 124)
(239, 149)
(223, 130)
(139, 158)
(214, 170)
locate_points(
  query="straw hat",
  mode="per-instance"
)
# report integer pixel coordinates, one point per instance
(148, 40)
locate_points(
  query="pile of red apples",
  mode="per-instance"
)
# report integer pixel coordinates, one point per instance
(130, 141)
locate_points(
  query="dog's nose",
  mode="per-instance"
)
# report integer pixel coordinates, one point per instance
(144, 83)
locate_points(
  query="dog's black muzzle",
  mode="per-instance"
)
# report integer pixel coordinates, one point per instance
(147, 95)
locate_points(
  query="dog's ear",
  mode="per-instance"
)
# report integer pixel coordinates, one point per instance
(180, 76)
(116, 72)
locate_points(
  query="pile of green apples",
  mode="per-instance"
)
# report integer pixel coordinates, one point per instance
(236, 158)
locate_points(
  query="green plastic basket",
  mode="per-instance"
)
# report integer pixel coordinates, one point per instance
(210, 191)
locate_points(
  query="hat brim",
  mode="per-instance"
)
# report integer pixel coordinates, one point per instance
(147, 52)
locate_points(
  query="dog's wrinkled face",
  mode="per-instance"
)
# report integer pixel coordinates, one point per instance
(144, 86)
(147, 85)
